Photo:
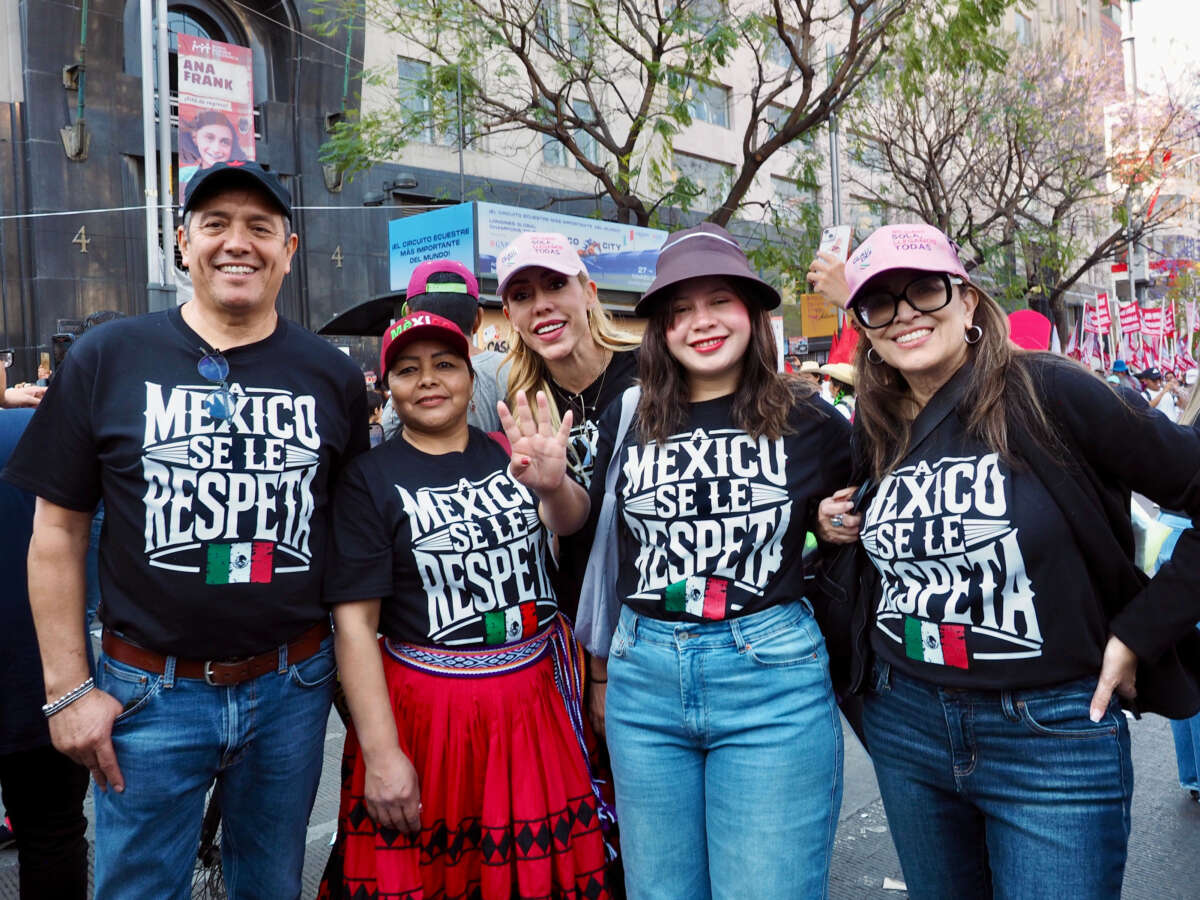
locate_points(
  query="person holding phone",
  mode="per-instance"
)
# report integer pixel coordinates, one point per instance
(1007, 619)
(724, 735)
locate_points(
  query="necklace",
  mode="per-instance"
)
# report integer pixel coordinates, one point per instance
(573, 399)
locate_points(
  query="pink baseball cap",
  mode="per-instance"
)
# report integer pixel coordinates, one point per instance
(417, 327)
(547, 249)
(920, 247)
(442, 276)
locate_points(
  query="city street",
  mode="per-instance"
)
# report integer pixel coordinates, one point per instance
(1163, 862)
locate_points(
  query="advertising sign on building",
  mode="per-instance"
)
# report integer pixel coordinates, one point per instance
(618, 257)
(216, 105)
(441, 234)
(818, 316)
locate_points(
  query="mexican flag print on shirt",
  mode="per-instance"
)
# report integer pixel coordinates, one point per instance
(241, 562)
(704, 598)
(942, 645)
(504, 626)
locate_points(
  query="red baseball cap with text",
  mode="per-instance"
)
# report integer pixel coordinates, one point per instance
(421, 326)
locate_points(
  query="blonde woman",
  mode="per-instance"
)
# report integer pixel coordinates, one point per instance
(564, 344)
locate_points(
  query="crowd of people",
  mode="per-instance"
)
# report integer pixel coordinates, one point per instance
(565, 593)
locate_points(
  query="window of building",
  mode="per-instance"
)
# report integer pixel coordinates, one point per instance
(711, 177)
(794, 201)
(1024, 28)
(439, 109)
(555, 154)
(413, 94)
(579, 29)
(776, 50)
(707, 102)
(774, 117)
(549, 23)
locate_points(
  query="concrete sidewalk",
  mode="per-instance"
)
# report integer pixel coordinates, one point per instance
(1163, 857)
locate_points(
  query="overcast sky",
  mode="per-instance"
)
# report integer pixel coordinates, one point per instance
(1167, 34)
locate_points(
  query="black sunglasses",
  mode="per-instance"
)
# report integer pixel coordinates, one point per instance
(877, 308)
(6, 357)
(214, 368)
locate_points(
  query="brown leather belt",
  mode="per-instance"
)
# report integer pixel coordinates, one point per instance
(216, 672)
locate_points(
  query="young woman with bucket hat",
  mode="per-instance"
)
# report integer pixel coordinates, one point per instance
(721, 722)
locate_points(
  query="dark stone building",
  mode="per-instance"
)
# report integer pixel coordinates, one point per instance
(73, 235)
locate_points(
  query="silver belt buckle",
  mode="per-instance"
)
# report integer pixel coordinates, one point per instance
(208, 673)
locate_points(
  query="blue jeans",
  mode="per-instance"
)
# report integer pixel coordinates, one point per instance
(726, 751)
(261, 741)
(1187, 751)
(1006, 794)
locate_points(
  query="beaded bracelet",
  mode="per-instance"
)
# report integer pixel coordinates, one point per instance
(68, 698)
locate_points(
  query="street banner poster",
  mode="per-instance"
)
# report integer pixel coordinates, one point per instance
(216, 105)
(1152, 322)
(1131, 321)
(618, 257)
(1097, 319)
(818, 316)
(439, 234)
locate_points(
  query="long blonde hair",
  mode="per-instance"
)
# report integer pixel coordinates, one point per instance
(529, 373)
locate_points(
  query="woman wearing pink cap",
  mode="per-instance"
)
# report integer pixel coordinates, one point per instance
(1003, 618)
(716, 698)
(565, 344)
(464, 772)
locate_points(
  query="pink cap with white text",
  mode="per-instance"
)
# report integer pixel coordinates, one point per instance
(920, 247)
(546, 249)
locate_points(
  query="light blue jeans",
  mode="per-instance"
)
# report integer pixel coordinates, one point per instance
(261, 741)
(726, 750)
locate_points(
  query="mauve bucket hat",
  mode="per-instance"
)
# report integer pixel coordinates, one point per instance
(704, 249)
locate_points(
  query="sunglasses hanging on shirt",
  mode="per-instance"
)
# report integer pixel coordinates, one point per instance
(214, 368)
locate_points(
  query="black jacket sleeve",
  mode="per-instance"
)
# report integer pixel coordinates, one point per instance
(1130, 447)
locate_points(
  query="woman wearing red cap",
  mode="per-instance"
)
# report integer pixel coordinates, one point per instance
(1003, 611)
(720, 717)
(464, 773)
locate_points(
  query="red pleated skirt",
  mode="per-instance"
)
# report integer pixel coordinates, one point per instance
(508, 807)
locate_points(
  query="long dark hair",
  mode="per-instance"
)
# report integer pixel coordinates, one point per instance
(1000, 396)
(761, 403)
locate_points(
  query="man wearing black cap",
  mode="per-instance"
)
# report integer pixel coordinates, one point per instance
(1157, 395)
(211, 431)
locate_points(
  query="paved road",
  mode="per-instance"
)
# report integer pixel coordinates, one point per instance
(1163, 858)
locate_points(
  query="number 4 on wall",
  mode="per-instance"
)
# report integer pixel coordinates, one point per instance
(337, 256)
(81, 239)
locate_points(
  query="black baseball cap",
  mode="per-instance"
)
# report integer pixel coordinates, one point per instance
(231, 171)
(1151, 374)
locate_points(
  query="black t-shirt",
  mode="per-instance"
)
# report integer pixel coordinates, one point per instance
(214, 542)
(711, 524)
(588, 406)
(451, 544)
(983, 583)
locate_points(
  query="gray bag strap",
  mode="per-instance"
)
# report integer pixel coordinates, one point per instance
(599, 607)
